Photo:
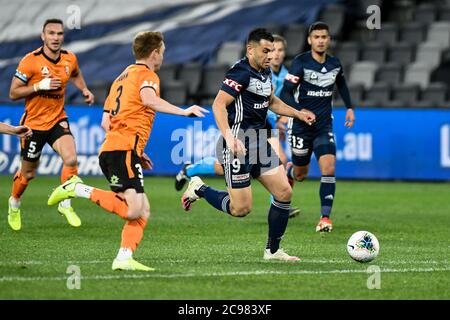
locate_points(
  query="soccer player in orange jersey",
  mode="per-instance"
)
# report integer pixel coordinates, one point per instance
(41, 79)
(132, 103)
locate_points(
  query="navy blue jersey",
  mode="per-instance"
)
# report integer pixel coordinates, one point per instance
(251, 91)
(309, 84)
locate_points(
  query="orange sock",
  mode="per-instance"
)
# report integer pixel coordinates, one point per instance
(132, 233)
(67, 172)
(110, 201)
(19, 185)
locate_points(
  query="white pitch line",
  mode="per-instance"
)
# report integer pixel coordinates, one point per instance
(218, 274)
(317, 261)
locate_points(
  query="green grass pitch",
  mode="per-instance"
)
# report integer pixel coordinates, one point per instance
(206, 254)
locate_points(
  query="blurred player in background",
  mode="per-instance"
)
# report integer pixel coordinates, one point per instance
(41, 78)
(211, 166)
(132, 103)
(240, 109)
(309, 84)
(20, 131)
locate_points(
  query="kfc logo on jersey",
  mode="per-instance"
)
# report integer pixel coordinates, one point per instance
(291, 78)
(233, 84)
(45, 72)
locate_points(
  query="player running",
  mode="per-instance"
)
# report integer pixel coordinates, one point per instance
(309, 84)
(240, 109)
(132, 102)
(211, 166)
(41, 78)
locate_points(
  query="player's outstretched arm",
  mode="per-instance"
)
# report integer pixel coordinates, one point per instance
(281, 108)
(21, 131)
(151, 100)
(78, 81)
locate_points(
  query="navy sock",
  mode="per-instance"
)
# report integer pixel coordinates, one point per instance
(217, 198)
(290, 172)
(278, 220)
(327, 189)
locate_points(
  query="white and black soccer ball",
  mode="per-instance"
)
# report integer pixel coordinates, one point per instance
(363, 246)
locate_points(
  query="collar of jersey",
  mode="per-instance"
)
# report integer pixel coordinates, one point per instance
(41, 51)
(142, 64)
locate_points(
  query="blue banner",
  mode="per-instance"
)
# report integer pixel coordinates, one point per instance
(384, 143)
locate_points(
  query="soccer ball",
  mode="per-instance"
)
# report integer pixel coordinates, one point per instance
(363, 246)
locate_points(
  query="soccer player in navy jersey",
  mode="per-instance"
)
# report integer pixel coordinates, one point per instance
(309, 84)
(211, 166)
(240, 109)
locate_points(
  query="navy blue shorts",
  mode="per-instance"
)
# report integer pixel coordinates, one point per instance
(239, 170)
(304, 142)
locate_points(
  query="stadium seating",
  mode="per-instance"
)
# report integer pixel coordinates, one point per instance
(388, 34)
(418, 73)
(212, 79)
(295, 36)
(436, 92)
(363, 72)
(374, 51)
(413, 32)
(191, 75)
(334, 16)
(401, 53)
(175, 92)
(230, 52)
(425, 13)
(389, 73)
(411, 49)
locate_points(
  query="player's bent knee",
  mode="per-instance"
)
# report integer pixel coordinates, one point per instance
(301, 176)
(284, 193)
(241, 211)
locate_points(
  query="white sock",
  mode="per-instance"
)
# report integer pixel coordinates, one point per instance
(65, 203)
(83, 191)
(124, 254)
(14, 203)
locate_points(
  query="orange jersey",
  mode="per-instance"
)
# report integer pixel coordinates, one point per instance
(45, 108)
(131, 121)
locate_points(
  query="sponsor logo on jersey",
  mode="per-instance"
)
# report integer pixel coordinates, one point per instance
(291, 78)
(233, 84)
(45, 72)
(240, 177)
(320, 93)
(263, 105)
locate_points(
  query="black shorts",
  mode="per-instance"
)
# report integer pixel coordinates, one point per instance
(304, 141)
(123, 170)
(31, 148)
(239, 170)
